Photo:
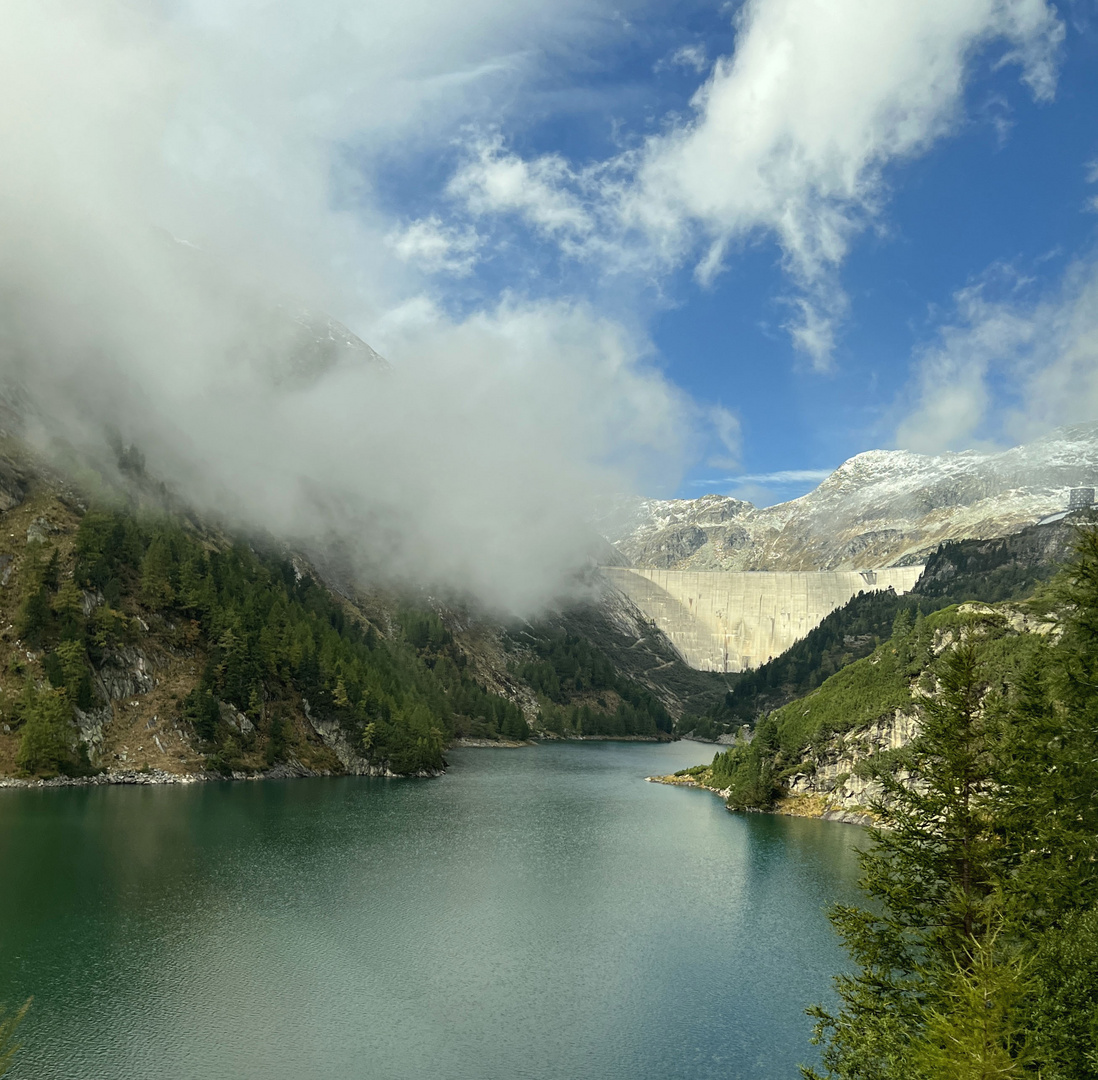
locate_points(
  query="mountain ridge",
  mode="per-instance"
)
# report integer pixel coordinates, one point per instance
(879, 508)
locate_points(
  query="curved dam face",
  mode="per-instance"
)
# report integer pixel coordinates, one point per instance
(736, 621)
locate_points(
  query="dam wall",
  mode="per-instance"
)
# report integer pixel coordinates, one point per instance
(735, 621)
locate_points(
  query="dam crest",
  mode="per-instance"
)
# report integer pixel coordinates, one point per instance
(725, 621)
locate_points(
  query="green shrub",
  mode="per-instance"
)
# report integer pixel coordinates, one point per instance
(48, 741)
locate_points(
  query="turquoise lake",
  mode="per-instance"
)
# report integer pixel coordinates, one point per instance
(536, 914)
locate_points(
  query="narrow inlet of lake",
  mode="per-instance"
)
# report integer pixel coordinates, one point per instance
(536, 914)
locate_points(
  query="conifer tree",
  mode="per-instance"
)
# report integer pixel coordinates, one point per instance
(46, 744)
(156, 568)
(980, 956)
(1047, 809)
(931, 872)
(978, 1032)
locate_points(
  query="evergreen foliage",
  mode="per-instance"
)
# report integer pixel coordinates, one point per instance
(274, 640)
(271, 637)
(978, 1032)
(48, 745)
(41, 579)
(270, 633)
(859, 694)
(748, 771)
(978, 954)
(582, 693)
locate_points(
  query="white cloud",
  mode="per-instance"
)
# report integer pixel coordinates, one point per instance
(253, 130)
(242, 127)
(728, 431)
(766, 489)
(790, 137)
(1008, 368)
(436, 247)
(793, 130)
(1091, 177)
(780, 478)
(687, 56)
(496, 182)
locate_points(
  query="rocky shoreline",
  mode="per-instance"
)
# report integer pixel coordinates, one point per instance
(806, 806)
(153, 776)
(489, 744)
(284, 771)
(292, 770)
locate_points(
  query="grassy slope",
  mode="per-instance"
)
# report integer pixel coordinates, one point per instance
(892, 679)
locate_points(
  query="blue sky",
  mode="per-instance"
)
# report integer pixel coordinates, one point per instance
(978, 216)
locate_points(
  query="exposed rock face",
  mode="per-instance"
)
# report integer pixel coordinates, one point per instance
(835, 772)
(835, 781)
(235, 718)
(316, 344)
(881, 508)
(124, 673)
(40, 529)
(336, 740)
(13, 486)
(91, 726)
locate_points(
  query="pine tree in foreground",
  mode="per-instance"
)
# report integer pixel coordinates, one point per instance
(978, 955)
(931, 874)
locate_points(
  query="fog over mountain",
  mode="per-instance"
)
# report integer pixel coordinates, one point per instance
(171, 232)
(198, 242)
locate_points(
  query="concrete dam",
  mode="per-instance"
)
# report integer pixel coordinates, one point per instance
(735, 621)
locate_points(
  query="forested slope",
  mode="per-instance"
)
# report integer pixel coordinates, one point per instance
(820, 754)
(975, 950)
(140, 639)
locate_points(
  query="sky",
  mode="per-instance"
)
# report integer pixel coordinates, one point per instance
(821, 218)
(606, 247)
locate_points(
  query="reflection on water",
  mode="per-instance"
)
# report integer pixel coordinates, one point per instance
(538, 913)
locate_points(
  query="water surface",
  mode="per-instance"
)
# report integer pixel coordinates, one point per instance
(536, 914)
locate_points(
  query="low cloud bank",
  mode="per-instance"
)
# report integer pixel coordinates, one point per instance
(470, 463)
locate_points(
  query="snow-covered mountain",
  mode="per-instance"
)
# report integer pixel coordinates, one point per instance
(880, 508)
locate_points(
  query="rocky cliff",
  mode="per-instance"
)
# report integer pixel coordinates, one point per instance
(836, 776)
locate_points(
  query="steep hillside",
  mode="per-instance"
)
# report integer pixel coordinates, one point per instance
(821, 754)
(881, 508)
(1005, 568)
(610, 646)
(140, 642)
(640, 650)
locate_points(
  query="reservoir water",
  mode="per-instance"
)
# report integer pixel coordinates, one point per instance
(536, 914)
